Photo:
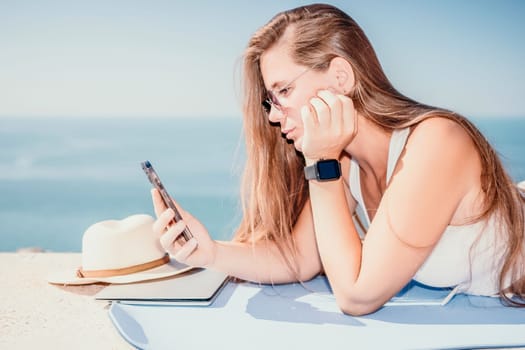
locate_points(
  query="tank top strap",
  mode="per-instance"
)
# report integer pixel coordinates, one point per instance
(397, 145)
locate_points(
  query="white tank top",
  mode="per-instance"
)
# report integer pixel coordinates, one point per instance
(452, 261)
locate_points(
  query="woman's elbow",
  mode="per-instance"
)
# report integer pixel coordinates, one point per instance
(357, 308)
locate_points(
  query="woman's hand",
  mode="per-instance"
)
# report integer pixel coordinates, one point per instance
(330, 124)
(199, 251)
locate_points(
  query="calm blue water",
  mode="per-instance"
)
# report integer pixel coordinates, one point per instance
(58, 176)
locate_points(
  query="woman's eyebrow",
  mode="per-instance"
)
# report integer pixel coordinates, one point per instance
(278, 84)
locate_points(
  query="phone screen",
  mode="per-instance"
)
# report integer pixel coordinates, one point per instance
(155, 181)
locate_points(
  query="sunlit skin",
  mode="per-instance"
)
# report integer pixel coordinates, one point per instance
(321, 122)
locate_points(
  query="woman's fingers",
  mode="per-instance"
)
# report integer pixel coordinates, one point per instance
(321, 111)
(309, 117)
(159, 226)
(328, 122)
(333, 105)
(158, 203)
(349, 118)
(197, 251)
(172, 243)
(168, 239)
(186, 250)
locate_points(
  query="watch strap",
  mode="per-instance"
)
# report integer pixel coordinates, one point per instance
(310, 172)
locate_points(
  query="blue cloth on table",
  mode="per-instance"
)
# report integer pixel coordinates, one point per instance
(252, 316)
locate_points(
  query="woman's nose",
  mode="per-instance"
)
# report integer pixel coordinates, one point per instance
(276, 115)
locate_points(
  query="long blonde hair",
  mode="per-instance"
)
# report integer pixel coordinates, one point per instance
(274, 190)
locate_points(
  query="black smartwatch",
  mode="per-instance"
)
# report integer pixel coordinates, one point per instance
(323, 170)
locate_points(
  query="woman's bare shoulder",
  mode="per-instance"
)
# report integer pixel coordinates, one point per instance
(441, 135)
(440, 126)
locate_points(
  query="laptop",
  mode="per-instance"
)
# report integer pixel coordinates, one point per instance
(196, 287)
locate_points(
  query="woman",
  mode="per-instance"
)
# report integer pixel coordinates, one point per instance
(328, 135)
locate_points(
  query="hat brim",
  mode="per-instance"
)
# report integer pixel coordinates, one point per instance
(69, 277)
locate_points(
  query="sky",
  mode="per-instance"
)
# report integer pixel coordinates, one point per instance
(182, 58)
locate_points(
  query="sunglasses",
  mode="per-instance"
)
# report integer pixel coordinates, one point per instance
(271, 99)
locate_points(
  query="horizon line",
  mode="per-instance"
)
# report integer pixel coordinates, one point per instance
(206, 116)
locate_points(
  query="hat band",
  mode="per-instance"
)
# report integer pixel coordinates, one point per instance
(124, 270)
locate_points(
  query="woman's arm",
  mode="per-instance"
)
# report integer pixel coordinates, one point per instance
(438, 167)
(264, 263)
(258, 262)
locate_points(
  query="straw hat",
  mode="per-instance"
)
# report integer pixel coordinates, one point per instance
(120, 251)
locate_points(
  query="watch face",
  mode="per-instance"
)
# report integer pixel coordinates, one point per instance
(328, 169)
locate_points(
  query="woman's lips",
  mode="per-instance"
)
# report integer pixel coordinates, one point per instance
(288, 133)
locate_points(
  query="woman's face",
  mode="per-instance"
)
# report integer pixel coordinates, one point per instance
(293, 85)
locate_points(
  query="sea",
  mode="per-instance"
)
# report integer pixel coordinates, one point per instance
(58, 176)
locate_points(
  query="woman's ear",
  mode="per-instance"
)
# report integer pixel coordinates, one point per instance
(342, 74)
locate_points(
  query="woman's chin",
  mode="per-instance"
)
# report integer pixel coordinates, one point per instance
(298, 144)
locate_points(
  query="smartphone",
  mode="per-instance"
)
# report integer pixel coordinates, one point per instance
(155, 181)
